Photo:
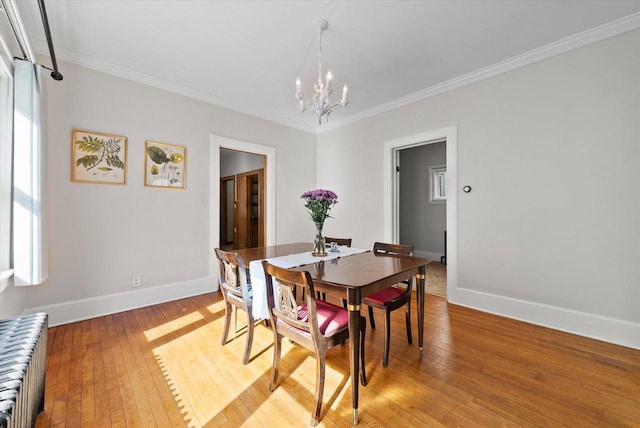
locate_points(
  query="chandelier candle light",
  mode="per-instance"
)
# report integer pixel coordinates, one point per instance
(319, 203)
(320, 103)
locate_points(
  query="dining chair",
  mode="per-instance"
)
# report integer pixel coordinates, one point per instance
(237, 294)
(391, 298)
(340, 241)
(316, 325)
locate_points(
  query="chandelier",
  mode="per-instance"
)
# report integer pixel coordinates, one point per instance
(320, 103)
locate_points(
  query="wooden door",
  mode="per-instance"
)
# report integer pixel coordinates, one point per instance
(227, 209)
(249, 213)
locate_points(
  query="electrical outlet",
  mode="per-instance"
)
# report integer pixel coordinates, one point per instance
(135, 282)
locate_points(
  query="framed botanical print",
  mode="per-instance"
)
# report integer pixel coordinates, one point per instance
(98, 158)
(165, 165)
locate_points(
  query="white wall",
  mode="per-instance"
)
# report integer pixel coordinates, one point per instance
(551, 232)
(101, 236)
(13, 301)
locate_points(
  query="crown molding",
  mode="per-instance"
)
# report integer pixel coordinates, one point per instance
(605, 31)
(146, 79)
(614, 28)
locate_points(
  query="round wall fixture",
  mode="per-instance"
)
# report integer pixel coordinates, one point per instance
(466, 189)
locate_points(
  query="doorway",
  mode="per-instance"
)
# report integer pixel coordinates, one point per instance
(422, 208)
(242, 199)
(216, 144)
(391, 155)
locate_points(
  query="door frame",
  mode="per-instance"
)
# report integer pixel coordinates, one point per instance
(216, 142)
(392, 190)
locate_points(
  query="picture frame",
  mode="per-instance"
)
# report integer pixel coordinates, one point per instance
(98, 158)
(165, 165)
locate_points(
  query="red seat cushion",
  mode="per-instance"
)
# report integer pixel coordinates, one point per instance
(331, 318)
(390, 293)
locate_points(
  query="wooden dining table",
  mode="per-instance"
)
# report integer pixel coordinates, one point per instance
(352, 278)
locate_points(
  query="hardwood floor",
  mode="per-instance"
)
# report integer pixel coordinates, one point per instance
(163, 366)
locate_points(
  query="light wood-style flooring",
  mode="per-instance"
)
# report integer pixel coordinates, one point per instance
(163, 366)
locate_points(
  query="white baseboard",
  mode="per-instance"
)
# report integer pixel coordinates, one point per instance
(619, 332)
(429, 255)
(78, 310)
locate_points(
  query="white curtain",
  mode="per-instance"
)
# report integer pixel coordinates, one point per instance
(29, 232)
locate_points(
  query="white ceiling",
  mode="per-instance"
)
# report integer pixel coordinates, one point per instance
(246, 55)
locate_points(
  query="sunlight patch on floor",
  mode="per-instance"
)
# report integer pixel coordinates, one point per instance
(238, 395)
(210, 385)
(208, 392)
(172, 326)
(193, 379)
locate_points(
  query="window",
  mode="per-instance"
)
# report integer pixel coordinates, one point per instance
(22, 234)
(438, 185)
(6, 120)
(29, 196)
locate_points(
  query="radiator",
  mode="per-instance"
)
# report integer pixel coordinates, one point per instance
(23, 351)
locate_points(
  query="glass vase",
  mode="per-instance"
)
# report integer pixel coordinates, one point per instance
(319, 242)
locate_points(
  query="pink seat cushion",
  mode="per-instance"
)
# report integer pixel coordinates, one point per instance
(331, 318)
(390, 293)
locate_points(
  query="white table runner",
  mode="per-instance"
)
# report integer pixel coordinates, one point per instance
(258, 282)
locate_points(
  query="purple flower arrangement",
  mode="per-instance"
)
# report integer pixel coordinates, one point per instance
(319, 203)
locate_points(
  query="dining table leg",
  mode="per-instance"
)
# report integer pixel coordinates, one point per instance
(353, 305)
(420, 286)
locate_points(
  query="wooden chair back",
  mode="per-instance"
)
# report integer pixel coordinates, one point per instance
(284, 310)
(393, 249)
(340, 241)
(233, 276)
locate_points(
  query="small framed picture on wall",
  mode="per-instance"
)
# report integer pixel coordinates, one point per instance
(98, 158)
(165, 165)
